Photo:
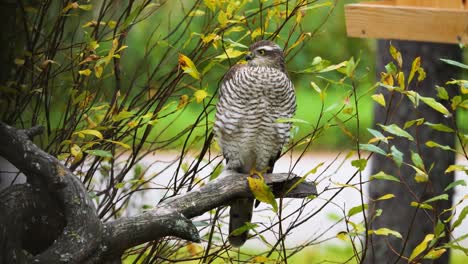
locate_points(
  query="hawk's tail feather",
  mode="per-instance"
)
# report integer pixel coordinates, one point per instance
(240, 213)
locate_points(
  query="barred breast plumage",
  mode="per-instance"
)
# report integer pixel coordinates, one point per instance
(252, 98)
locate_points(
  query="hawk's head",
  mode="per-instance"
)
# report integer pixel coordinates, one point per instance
(266, 53)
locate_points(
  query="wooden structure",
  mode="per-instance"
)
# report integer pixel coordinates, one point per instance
(444, 21)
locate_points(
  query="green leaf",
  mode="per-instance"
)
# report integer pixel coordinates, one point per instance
(85, 7)
(246, 227)
(456, 100)
(461, 217)
(417, 160)
(454, 184)
(216, 172)
(357, 209)
(397, 156)
(421, 247)
(384, 232)
(119, 185)
(99, 153)
(334, 67)
(410, 123)
(122, 115)
(442, 93)
(422, 205)
(391, 68)
(397, 131)
(383, 176)
(437, 198)
(360, 164)
(433, 144)
(378, 135)
(439, 229)
(350, 67)
(455, 63)
(292, 120)
(431, 102)
(262, 192)
(439, 127)
(372, 148)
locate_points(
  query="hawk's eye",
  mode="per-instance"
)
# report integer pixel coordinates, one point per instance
(261, 51)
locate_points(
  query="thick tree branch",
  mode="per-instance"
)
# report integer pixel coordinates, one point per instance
(172, 213)
(86, 240)
(83, 229)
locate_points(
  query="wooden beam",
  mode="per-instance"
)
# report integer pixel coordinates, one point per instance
(387, 20)
(432, 3)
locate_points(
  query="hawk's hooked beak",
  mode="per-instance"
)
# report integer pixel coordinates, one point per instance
(249, 56)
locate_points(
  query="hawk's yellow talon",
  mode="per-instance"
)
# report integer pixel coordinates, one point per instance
(254, 172)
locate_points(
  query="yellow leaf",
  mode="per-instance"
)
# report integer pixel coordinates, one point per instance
(343, 236)
(76, 152)
(19, 62)
(379, 98)
(401, 80)
(93, 45)
(457, 168)
(222, 19)
(396, 55)
(119, 143)
(230, 53)
(299, 16)
(132, 124)
(72, 5)
(188, 66)
(386, 197)
(194, 249)
(98, 69)
(111, 24)
(414, 68)
(386, 79)
(183, 101)
(257, 32)
(385, 232)
(210, 37)
(86, 72)
(196, 13)
(200, 95)
(211, 4)
(421, 247)
(262, 192)
(435, 253)
(260, 259)
(85, 7)
(90, 132)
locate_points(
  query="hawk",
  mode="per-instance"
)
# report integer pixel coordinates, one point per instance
(252, 97)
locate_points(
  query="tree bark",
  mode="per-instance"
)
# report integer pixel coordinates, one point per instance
(81, 237)
(411, 222)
